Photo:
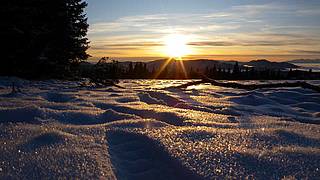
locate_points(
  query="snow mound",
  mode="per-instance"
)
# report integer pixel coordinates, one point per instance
(48, 139)
(167, 117)
(138, 157)
(241, 153)
(311, 106)
(167, 99)
(252, 100)
(127, 99)
(115, 95)
(145, 97)
(110, 115)
(59, 97)
(112, 90)
(35, 114)
(90, 117)
(29, 114)
(137, 124)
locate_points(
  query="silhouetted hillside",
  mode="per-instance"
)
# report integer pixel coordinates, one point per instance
(304, 61)
(199, 65)
(265, 64)
(202, 64)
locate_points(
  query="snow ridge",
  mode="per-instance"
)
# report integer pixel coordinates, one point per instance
(60, 129)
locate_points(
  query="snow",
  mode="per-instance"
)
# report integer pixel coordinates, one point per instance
(60, 129)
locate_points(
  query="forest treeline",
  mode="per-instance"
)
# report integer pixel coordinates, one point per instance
(110, 69)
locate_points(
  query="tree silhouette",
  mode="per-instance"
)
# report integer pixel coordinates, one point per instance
(236, 69)
(43, 37)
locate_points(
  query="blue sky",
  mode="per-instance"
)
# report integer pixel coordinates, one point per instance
(214, 29)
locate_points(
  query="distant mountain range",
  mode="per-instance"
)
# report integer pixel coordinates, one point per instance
(202, 64)
(307, 61)
(265, 64)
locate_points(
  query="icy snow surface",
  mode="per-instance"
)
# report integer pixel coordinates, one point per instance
(58, 129)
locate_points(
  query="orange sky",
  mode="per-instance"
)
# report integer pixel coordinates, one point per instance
(246, 30)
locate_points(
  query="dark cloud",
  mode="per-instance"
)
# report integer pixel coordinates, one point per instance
(133, 45)
(125, 46)
(280, 43)
(255, 43)
(122, 48)
(280, 35)
(305, 52)
(211, 43)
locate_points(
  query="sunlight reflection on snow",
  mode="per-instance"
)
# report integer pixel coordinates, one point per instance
(212, 131)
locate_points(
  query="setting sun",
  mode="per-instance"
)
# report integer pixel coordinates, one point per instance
(176, 45)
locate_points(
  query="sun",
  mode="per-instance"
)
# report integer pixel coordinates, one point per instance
(176, 46)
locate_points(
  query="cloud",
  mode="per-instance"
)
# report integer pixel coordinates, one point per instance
(279, 43)
(211, 43)
(126, 46)
(311, 52)
(169, 23)
(105, 48)
(255, 9)
(247, 28)
(308, 12)
(134, 45)
(261, 39)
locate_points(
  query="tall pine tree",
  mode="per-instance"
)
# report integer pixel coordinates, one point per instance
(43, 38)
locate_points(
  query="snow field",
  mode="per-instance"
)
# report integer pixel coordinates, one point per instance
(59, 129)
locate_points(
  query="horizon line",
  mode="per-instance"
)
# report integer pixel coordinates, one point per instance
(241, 58)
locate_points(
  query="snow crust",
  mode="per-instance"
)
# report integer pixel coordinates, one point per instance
(52, 129)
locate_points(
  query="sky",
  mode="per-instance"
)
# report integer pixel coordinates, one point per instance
(213, 29)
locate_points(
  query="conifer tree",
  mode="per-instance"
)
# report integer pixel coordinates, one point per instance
(43, 36)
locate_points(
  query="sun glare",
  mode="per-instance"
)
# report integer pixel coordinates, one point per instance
(176, 46)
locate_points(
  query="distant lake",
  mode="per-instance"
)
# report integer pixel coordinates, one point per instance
(307, 66)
